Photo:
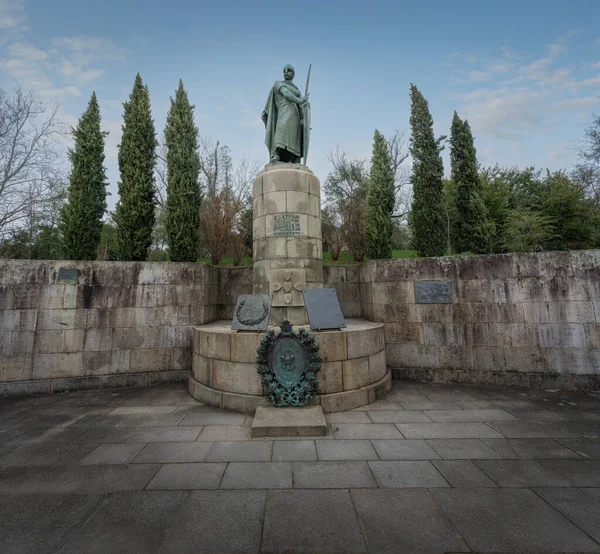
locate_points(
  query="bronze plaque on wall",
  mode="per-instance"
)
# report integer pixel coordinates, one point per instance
(432, 292)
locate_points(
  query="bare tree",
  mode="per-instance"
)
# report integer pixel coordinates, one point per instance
(333, 234)
(29, 154)
(228, 189)
(398, 150)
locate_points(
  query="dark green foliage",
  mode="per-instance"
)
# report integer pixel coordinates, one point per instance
(574, 216)
(184, 195)
(81, 216)
(551, 211)
(527, 231)
(427, 215)
(109, 244)
(134, 215)
(471, 231)
(380, 202)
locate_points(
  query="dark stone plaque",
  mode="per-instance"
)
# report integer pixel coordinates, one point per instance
(67, 274)
(286, 225)
(432, 292)
(251, 312)
(323, 307)
(288, 363)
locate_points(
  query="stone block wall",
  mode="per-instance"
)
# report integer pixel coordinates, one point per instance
(119, 323)
(527, 319)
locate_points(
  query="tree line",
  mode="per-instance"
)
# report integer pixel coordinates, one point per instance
(183, 196)
(477, 210)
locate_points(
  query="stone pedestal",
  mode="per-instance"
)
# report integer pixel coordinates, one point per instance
(353, 371)
(288, 251)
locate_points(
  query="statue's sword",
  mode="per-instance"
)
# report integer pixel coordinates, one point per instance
(306, 110)
(307, 80)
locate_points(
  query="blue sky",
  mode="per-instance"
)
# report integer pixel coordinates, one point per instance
(525, 74)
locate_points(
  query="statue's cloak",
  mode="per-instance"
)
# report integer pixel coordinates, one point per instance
(271, 116)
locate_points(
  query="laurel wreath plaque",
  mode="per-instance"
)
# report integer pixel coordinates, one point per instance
(288, 364)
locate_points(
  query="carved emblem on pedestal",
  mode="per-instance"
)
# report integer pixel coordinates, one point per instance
(288, 363)
(287, 285)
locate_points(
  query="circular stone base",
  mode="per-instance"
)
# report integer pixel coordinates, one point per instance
(353, 371)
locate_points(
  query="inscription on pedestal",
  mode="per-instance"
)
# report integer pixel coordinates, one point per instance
(286, 225)
(432, 292)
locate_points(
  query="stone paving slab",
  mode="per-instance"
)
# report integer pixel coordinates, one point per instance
(366, 431)
(311, 521)
(384, 478)
(463, 449)
(510, 520)
(346, 450)
(134, 522)
(173, 452)
(394, 521)
(531, 449)
(257, 475)
(113, 454)
(580, 506)
(447, 430)
(294, 451)
(400, 416)
(407, 474)
(187, 476)
(410, 449)
(463, 473)
(332, 475)
(580, 473)
(520, 473)
(41, 523)
(218, 521)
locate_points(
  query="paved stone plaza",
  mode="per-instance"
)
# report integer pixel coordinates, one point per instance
(430, 468)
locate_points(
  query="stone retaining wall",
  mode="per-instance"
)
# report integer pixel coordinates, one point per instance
(526, 320)
(119, 323)
(529, 319)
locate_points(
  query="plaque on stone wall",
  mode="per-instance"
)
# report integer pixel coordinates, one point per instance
(251, 312)
(323, 308)
(67, 274)
(286, 225)
(432, 292)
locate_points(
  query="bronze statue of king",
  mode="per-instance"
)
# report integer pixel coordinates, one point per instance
(287, 120)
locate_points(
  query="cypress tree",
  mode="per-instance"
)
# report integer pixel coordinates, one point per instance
(471, 230)
(380, 202)
(134, 215)
(427, 216)
(81, 216)
(183, 186)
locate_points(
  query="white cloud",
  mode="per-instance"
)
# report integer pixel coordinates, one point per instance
(12, 15)
(62, 69)
(576, 104)
(501, 67)
(480, 75)
(505, 113)
(251, 119)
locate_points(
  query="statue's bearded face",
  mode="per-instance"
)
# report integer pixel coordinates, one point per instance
(288, 73)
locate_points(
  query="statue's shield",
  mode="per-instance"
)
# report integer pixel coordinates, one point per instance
(306, 131)
(288, 359)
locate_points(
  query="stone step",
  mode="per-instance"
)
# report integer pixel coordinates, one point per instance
(270, 421)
